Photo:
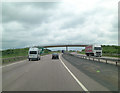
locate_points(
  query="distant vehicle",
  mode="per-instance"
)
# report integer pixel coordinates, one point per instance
(34, 54)
(62, 51)
(55, 56)
(93, 50)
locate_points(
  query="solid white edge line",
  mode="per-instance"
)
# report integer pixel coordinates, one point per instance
(80, 84)
(12, 64)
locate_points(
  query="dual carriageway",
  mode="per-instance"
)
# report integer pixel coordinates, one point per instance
(68, 73)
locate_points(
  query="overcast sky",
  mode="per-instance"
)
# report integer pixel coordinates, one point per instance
(52, 23)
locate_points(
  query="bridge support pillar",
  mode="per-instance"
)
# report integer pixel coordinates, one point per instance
(66, 49)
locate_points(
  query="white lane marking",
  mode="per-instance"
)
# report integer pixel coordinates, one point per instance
(13, 64)
(80, 84)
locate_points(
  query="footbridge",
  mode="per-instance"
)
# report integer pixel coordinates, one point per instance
(50, 46)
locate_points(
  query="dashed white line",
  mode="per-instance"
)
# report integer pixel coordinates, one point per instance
(80, 84)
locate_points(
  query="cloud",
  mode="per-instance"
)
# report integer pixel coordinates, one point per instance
(52, 23)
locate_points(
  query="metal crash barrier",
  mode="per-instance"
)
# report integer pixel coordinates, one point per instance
(106, 60)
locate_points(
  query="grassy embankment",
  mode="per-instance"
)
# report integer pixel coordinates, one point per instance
(20, 52)
(11, 55)
(14, 52)
(112, 51)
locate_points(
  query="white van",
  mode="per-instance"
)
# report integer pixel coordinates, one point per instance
(34, 53)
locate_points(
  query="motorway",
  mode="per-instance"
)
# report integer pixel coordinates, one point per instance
(65, 74)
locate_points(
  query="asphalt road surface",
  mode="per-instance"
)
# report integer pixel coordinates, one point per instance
(57, 75)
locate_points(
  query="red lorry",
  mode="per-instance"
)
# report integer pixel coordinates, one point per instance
(93, 50)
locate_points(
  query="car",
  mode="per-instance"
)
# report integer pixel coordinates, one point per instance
(62, 51)
(55, 56)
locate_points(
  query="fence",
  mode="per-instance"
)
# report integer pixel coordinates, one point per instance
(13, 59)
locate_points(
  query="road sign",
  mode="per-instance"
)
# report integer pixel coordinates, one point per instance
(42, 50)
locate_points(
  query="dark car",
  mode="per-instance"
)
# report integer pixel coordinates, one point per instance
(62, 51)
(55, 56)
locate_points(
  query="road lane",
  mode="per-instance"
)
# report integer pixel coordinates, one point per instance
(101, 76)
(83, 87)
(48, 75)
(43, 75)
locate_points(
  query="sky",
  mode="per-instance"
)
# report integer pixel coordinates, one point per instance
(26, 24)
